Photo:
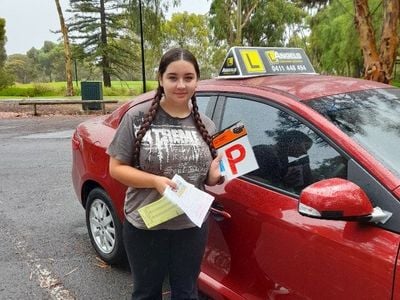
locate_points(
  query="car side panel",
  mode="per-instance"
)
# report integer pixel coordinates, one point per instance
(396, 282)
(96, 136)
(267, 250)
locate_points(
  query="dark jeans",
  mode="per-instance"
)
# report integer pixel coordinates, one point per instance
(153, 254)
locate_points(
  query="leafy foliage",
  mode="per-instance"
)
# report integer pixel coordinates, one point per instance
(93, 24)
(334, 46)
(190, 31)
(153, 18)
(22, 67)
(3, 39)
(263, 23)
(270, 21)
(6, 79)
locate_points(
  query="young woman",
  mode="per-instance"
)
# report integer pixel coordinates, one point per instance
(154, 142)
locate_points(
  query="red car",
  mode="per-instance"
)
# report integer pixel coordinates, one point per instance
(320, 223)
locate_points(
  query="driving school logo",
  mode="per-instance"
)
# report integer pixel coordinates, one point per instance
(230, 62)
(271, 55)
(229, 67)
(275, 57)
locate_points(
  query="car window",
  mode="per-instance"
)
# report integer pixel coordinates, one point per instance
(290, 155)
(370, 117)
(202, 102)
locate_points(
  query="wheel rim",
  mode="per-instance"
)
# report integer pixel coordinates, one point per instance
(102, 226)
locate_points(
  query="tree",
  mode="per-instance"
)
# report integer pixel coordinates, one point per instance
(259, 23)
(94, 23)
(153, 17)
(21, 67)
(67, 51)
(3, 39)
(378, 64)
(332, 47)
(378, 39)
(190, 31)
(108, 31)
(5, 78)
(48, 60)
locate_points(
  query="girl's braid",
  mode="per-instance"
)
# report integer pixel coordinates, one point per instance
(146, 122)
(200, 126)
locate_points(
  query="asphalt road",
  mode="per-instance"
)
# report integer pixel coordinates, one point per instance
(45, 252)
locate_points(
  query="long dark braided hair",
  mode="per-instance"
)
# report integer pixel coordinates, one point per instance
(170, 56)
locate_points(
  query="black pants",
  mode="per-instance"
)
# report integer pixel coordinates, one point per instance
(153, 254)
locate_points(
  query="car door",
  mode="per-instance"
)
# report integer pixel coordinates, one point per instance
(267, 250)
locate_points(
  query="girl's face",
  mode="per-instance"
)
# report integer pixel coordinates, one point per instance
(179, 82)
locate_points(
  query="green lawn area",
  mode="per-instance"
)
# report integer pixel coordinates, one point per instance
(119, 90)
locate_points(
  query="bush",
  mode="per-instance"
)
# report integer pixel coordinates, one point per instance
(6, 79)
(43, 90)
(119, 91)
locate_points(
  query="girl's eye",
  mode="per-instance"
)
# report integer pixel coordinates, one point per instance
(188, 79)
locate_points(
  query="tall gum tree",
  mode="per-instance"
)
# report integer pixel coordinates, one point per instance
(67, 51)
(378, 64)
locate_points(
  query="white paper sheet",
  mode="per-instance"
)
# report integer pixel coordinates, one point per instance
(194, 202)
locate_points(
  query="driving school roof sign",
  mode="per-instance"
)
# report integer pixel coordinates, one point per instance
(257, 61)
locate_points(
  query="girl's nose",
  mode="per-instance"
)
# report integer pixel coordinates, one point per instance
(181, 83)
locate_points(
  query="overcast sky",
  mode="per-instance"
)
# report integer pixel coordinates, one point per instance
(30, 22)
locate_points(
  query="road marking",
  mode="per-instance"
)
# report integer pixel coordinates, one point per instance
(65, 134)
(39, 272)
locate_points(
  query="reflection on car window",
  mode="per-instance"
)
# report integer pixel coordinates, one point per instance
(290, 155)
(202, 102)
(371, 118)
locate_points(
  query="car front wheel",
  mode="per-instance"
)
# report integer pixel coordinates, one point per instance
(105, 229)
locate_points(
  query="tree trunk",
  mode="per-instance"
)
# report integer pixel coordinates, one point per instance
(103, 36)
(390, 39)
(67, 51)
(378, 66)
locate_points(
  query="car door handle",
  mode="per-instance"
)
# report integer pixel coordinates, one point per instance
(219, 213)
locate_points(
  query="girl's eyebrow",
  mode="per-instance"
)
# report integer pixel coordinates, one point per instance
(186, 74)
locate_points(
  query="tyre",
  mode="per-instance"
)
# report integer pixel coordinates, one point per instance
(104, 227)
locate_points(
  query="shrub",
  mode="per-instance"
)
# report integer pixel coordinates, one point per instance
(6, 79)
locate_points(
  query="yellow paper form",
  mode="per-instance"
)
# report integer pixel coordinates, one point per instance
(159, 212)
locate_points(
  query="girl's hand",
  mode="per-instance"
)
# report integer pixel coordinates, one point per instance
(214, 173)
(161, 183)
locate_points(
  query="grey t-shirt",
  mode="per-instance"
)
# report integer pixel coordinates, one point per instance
(171, 146)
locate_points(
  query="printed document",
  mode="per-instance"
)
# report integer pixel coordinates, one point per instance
(186, 198)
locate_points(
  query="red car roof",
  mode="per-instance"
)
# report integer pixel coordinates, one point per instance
(302, 87)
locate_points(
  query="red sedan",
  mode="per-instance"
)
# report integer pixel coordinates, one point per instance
(322, 222)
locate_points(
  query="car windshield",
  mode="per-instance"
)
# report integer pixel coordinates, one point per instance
(371, 118)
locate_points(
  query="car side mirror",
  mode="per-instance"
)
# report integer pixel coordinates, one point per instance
(339, 199)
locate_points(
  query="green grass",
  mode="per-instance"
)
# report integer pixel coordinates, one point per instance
(117, 90)
(396, 83)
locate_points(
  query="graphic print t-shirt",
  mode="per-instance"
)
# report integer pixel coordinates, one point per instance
(171, 146)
